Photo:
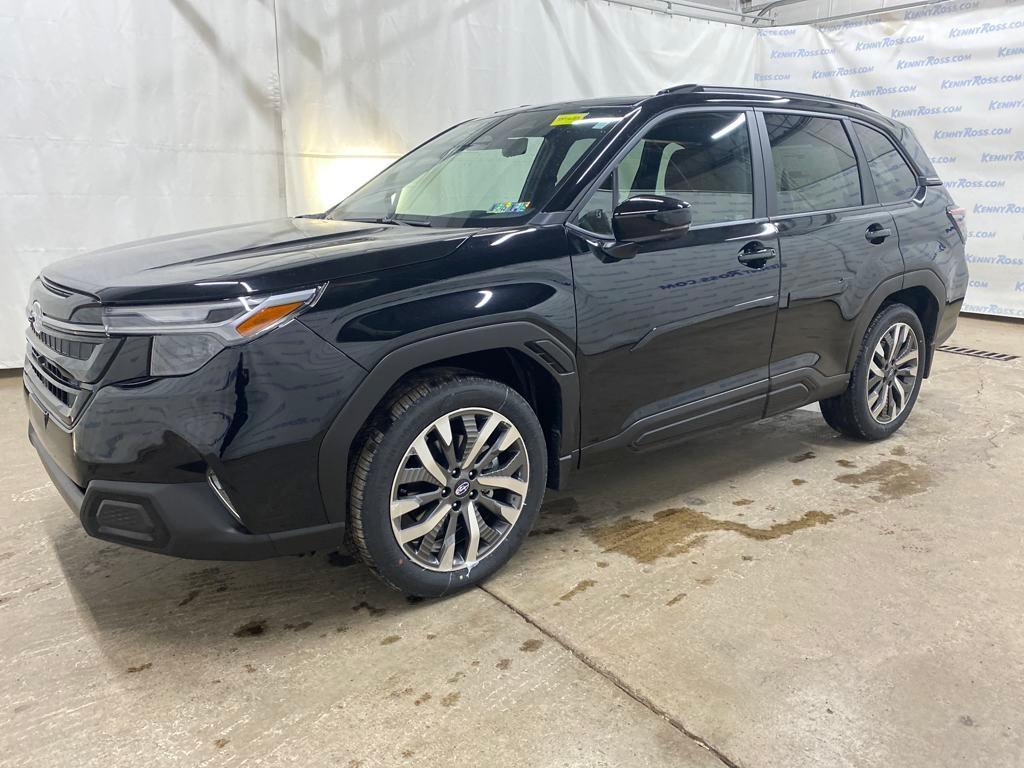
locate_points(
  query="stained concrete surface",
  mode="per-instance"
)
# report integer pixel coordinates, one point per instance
(773, 596)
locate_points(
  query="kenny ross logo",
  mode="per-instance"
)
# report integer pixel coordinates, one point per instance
(925, 111)
(766, 78)
(975, 183)
(881, 90)
(1006, 208)
(986, 28)
(993, 309)
(1009, 261)
(1003, 157)
(968, 133)
(971, 82)
(941, 9)
(943, 160)
(802, 53)
(1014, 51)
(820, 74)
(889, 42)
(932, 61)
(999, 104)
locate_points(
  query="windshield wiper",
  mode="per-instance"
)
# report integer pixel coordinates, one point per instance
(393, 220)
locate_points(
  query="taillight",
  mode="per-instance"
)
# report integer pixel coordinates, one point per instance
(958, 216)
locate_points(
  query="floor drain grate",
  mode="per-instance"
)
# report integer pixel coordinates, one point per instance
(1000, 356)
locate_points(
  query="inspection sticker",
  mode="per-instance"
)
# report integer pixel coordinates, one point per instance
(509, 207)
(569, 118)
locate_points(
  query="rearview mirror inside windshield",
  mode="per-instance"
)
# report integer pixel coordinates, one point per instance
(513, 147)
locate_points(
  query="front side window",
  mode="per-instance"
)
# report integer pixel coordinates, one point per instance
(494, 171)
(894, 181)
(701, 158)
(815, 166)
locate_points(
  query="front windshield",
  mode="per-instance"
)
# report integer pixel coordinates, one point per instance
(491, 171)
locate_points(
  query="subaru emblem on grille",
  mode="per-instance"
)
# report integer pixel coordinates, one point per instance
(35, 317)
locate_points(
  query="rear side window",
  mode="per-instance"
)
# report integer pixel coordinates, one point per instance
(815, 166)
(894, 181)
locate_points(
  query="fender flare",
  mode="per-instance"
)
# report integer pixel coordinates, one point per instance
(531, 339)
(925, 278)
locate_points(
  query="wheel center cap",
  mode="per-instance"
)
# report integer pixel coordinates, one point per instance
(462, 488)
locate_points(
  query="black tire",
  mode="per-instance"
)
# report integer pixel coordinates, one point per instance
(398, 424)
(849, 413)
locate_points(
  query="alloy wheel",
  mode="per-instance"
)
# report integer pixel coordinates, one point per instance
(892, 373)
(459, 489)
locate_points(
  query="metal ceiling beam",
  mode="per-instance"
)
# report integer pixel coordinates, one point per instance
(691, 10)
(763, 10)
(756, 15)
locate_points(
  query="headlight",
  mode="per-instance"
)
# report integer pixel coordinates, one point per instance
(186, 336)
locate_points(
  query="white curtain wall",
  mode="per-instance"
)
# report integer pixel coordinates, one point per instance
(125, 119)
(953, 72)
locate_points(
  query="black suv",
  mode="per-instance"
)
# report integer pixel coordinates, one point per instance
(522, 295)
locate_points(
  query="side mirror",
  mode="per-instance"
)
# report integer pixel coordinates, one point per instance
(650, 217)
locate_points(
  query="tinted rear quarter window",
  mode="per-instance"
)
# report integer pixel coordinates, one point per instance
(815, 165)
(894, 180)
(913, 147)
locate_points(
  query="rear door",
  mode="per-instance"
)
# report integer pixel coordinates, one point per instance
(837, 244)
(678, 338)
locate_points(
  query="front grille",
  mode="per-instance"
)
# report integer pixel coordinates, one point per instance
(77, 350)
(65, 358)
(54, 370)
(56, 386)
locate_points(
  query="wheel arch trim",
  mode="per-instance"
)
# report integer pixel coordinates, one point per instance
(920, 278)
(522, 336)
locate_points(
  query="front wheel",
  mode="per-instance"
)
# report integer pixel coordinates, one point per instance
(448, 483)
(886, 377)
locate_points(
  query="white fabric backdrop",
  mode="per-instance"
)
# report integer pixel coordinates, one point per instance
(955, 74)
(364, 81)
(125, 119)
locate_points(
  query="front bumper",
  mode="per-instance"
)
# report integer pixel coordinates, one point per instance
(177, 519)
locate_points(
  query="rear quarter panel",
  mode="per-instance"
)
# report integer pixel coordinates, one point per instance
(928, 240)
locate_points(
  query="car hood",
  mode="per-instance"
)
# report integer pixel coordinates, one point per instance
(248, 258)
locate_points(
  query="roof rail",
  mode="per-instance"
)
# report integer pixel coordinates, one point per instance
(781, 94)
(739, 91)
(686, 88)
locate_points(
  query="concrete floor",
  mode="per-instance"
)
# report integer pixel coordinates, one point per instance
(776, 596)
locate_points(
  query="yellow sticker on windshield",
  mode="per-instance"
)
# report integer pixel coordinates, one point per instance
(569, 118)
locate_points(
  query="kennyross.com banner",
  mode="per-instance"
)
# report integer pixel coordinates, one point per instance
(954, 73)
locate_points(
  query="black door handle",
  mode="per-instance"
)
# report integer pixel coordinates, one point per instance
(876, 234)
(755, 255)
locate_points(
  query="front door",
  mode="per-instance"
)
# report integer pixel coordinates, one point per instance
(678, 338)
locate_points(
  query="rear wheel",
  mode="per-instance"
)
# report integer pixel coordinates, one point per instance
(886, 377)
(448, 483)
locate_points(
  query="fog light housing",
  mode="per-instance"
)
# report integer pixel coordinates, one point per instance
(218, 489)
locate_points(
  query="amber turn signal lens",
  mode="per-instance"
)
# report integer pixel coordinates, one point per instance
(264, 318)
